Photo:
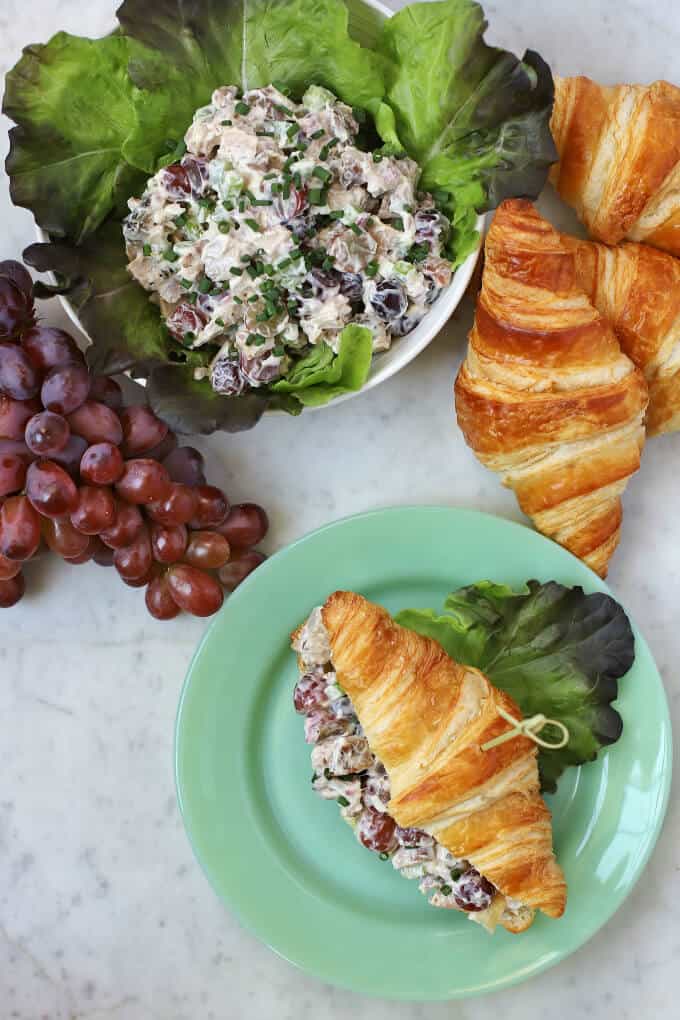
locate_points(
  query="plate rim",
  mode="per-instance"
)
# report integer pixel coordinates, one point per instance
(557, 955)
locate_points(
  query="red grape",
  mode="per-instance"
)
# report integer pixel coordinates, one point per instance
(142, 430)
(376, 830)
(178, 508)
(12, 473)
(85, 556)
(8, 568)
(50, 489)
(102, 555)
(14, 414)
(107, 391)
(16, 309)
(19, 275)
(19, 529)
(207, 549)
(16, 447)
(97, 423)
(168, 544)
(164, 448)
(69, 458)
(11, 591)
(193, 590)
(62, 538)
(236, 570)
(246, 525)
(49, 348)
(18, 377)
(143, 481)
(96, 510)
(65, 388)
(126, 527)
(146, 578)
(185, 465)
(134, 560)
(101, 464)
(212, 507)
(47, 433)
(159, 600)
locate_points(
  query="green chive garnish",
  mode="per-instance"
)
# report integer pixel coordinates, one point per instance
(220, 321)
(181, 221)
(377, 157)
(147, 249)
(284, 110)
(371, 269)
(192, 298)
(292, 131)
(262, 201)
(456, 873)
(337, 214)
(253, 298)
(226, 123)
(170, 256)
(228, 205)
(323, 174)
(205, 285)
(185, 283)
(236, 271)
(317, 196)
(279, 350)
(245, 258)
(189, 335)
(446, 890)
(328, 262)
(343, 802)
(384, 857)
(397, 223)
(254, 225)
(284, 263)
(355, 228)
(242, 108)
(237, 300)
(224, 227)
(318, 134)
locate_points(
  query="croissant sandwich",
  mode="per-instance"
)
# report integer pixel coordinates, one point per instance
(637, 289)
(398, 730)
(545, 396)
(619, 167)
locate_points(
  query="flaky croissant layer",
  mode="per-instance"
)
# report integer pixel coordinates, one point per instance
(426, 718)
(545, 396)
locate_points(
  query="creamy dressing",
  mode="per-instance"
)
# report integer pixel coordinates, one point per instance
(275, 231)
(346, 770)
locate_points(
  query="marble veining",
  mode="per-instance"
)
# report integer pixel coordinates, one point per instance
(103, 911)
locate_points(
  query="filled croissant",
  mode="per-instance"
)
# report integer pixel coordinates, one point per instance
(545, 396)
(637, 289)
(619, 167)
(398, 729)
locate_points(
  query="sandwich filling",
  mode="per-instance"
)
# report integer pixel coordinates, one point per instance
(346, 770)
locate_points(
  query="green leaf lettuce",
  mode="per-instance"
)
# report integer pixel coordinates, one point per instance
(553, 649)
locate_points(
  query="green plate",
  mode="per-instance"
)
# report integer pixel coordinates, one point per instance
(284, 860)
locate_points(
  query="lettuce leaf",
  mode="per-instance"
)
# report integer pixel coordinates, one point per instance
(72, 101)
(554, 649)
(191, 49)
(191, 406)
(322, 375)
(474, 117)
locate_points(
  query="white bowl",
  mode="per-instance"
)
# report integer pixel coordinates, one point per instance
(364, 15)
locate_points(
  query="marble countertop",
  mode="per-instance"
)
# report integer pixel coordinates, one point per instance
(103, 910)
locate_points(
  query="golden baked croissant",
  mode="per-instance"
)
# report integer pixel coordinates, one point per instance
(637, 288)
(425, 718)
(619, 166)
(545, 396)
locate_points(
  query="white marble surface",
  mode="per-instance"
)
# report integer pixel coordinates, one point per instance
(103, 912)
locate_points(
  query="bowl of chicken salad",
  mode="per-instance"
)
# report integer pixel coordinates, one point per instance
(284, 203)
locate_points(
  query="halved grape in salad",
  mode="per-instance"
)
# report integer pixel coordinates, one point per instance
(275, 231)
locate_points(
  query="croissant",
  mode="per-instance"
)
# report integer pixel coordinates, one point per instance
(545, 395)
(637, 288)
(619, 165)
(426, 718)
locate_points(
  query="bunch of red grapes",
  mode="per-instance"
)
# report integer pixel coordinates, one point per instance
(94, 480)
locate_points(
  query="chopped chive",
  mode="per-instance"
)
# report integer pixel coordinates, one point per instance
(327, 773)
(285, 190)
(284, 110)
(337, 214)
(219, 321)
(184, 282)
(205, 285)
(284, 263)
(291, 305)
(242, 202)
(228, 205)
(318, 134)
(418, 252)
(355, 228)
(456, 873)
(292, 131)
(323, 174)
(317, 196)
(170, 256)
(190, 335)
(249, 195)
(181, 221)
(224, 227)
(279, 350)
(242, 108)
(226, 123)
(328, 262)
(297, 180)
(377, 157)
(446, 890)
(302, 146)
(206, 203)
(192, 298)
(265, 134)
(245, 258)
(147, 249)
(236, 271)
(262, 201)
(384, 857)
(253, 298)
(371, 269)
(397, 223)
(288, 164)
(269, 270)
(254, 225)
(342, 801)
(268, 177)
(323, 153)
(238, 300)
(276, 188)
